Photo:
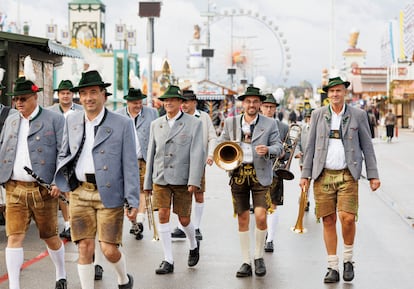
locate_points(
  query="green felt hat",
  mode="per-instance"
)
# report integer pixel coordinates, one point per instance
(134, 94)
(270, 99)
(335, 81)
(64, 85)
(252, 91)
(171, 92)
(90, 78)
(24, 86)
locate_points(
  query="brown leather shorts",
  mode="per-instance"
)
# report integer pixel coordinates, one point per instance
(26, 200)
(88, 216)
(178, 196)
(335, 190)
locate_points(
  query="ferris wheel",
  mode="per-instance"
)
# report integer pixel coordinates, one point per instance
(255, 43)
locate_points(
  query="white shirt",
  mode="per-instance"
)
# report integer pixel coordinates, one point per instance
(22, 150)
(172, 120)
(138, 146)
(85, 162)
(335, 158)
(247, 148)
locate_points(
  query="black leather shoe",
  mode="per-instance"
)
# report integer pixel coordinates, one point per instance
(178, 233)
(244, 271)
(194, 255)
(98, 272)
(332, 276)
(259, 267)
(165, 268)
(269, 247)
(61, 284)
(128, 285)
(348, 271)
(66, 234)
(199, 236)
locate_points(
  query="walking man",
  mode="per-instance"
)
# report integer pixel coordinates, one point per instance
(189, 106)
(96, 164)
(259, 138)
(142, 116)
(339, 140)
(175, 165)
(31, 138)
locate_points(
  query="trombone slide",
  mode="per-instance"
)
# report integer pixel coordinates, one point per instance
(151, 221)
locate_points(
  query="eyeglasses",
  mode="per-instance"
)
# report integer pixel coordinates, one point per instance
(22, 98)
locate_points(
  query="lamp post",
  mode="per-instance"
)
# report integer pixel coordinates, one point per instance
(150, 10)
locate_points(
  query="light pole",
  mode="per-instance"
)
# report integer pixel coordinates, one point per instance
(150, 10)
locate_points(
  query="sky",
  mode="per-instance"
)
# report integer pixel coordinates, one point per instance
(305, 26)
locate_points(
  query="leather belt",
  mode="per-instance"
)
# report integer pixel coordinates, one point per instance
(89, 186)
(25, 184)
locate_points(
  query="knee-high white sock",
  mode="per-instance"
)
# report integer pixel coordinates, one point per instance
(245, 246)
(120, 269)
(58, 258)
(99, 258)
(86, 276)
(165, 237)
(348, 253)
(333, 261)
(198, 214)
(140, 217)
(14, 260)
(190, 233)
(260, 236)
(272, 221)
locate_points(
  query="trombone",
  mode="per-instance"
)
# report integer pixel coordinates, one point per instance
(289, 145)
(298, 228)
(151, 220)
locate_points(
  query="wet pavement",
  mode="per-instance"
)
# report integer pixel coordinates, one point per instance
(383, 248)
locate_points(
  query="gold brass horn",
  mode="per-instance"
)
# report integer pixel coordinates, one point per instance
(228, 155)
(298, 228)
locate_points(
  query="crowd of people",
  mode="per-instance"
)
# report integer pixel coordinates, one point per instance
(101, 166)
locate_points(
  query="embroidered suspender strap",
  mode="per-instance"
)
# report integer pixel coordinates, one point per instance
(335, 134)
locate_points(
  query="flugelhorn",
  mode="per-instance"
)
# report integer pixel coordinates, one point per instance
(289, 146)
(151, 220)
(228, 155)
(298, 228)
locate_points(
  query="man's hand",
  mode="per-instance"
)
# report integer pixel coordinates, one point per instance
(54, 192)
(261, 150)
(374, 184)
(193, 189)
(131, 213)
(304, 183)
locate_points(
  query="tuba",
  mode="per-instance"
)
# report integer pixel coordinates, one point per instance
(228, 155)
(289, 146)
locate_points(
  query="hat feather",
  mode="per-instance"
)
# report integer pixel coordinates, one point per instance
(90, 58)
(28, 69)
(134, 81)
(2, 71)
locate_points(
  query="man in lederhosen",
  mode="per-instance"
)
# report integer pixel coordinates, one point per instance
(259, 138)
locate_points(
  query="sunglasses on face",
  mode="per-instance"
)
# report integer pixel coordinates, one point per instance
(21, 98)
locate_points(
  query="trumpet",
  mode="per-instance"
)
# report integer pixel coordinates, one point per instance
(150, 213)
(289, 146)
(298, 228)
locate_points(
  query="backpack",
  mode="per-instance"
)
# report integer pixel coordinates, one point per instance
(3, 116)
